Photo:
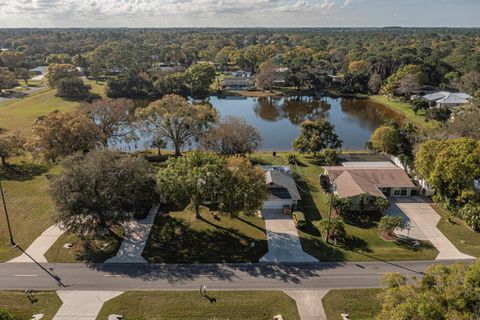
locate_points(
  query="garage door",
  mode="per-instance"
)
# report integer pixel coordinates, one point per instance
(276, 204)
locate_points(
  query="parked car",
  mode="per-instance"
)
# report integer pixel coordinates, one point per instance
(299, 219)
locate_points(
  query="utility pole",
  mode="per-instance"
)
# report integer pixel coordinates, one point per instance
(6, 216)
(332, 191)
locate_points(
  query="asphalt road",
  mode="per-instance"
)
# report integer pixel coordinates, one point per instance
(19, 276)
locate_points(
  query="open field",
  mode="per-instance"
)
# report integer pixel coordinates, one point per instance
(232, 305)
(20, 114)
(178, 238)
(360, 304)
(362, 243)
(17, 304)
(466, 240)
(404, 109)
(29, 204)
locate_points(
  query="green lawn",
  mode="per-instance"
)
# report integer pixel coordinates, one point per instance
(29, 205)
(21, 308)
(82, 250)
(404, 109)
(360, 304)
(462, 237)
(362, 243)
(184, 305)
(178, 238)
(20, 114)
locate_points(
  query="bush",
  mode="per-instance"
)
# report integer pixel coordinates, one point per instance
(331, 157)
(440, 114)
(419, 104)
(342, 205)
(325, 183)
(292, 158)
(4, 315)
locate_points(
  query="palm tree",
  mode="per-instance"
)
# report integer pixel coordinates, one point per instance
(388, 224)
(337, 228)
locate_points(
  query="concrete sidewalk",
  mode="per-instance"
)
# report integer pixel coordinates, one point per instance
(309, 303)
(82, 305)
(40, 246)
(136, 236)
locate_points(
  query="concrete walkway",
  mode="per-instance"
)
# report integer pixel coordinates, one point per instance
(136, 236)
(283, 241)
(83, 305)
(40, 246)
(309, 303)
(423, 220)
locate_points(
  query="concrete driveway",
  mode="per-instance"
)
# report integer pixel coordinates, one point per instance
(283, 242)
(423, 220)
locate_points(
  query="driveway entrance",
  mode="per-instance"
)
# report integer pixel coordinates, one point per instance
(423, 220)
(283, 242)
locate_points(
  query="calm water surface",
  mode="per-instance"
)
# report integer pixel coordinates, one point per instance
(278, 119)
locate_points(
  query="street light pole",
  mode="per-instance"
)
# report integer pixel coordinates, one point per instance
(6, 216)
(332, 191)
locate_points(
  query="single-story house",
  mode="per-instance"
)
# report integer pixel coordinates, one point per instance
(375, 180)
(447, 99)
(281, 187)
(40, 70)
(238, 83)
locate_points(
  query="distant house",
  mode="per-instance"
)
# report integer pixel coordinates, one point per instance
(281, 187)
(241, 73)
(382, 180)
(41, 70)
(238, 83)
(447, 99)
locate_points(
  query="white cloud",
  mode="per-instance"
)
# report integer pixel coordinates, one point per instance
(346, 4)
(327, 4)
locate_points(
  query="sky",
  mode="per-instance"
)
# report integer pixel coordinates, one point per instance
(239, 13)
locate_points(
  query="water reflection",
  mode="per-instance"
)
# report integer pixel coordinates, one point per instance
(278, 118)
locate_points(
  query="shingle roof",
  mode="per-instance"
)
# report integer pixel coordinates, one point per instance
(353, 181)
(448, 97)
(277, 178)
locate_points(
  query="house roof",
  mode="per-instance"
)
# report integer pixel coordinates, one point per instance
(276, 178)
(353, 181)
(448, 97)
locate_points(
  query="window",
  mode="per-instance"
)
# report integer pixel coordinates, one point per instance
(400, 192)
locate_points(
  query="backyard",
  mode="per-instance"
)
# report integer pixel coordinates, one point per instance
(186, 305)
(362, 242)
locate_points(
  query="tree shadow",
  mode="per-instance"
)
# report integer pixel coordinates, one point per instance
(23, 172)
(356, 244)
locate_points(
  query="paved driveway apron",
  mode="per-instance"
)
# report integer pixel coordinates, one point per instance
(283, 242)
(423, 220)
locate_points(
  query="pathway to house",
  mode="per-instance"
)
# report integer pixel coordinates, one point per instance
(309, 303)
(136, 236)
(83, 305)
(283, 241)
(36, 251)
(423, 220)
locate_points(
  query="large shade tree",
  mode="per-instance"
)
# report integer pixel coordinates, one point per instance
(316, 136)
(57, 72)
(177, 120)
(11, 144)
(443, 293)
(101, 189)
(450, 167)
(59, 134)
(232, 135)
(243, 186)
(112, 117)
(193, 177)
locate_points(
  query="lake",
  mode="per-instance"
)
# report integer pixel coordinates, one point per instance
(278, 119)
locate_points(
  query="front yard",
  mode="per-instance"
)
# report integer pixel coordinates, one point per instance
(185, 305)
(178, 238)
(18, 305)
(362, 242)
(360, 304)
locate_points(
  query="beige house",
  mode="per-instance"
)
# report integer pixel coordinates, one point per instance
(383, 181)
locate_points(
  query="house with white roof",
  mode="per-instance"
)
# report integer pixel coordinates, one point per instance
(448, 99)
(281, 187)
